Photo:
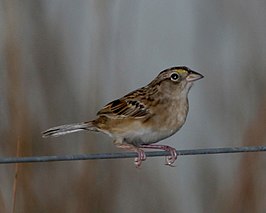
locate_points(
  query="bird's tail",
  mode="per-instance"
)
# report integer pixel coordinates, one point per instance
(69, 128)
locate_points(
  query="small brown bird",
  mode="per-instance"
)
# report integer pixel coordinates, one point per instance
(144, 116)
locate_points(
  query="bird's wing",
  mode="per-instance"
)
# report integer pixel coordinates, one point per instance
(125, 107)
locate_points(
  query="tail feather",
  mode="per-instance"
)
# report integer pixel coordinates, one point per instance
(69, 128)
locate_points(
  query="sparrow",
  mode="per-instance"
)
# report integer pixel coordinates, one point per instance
(144, 116)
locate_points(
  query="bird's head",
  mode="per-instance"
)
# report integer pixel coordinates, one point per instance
(176, 80)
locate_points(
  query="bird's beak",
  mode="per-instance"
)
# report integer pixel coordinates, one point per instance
(193, 76)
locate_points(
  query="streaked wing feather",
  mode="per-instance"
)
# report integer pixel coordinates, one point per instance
(124, 108)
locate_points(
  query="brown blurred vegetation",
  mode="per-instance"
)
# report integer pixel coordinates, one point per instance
(60, 61)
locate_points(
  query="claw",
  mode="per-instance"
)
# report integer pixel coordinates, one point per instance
(171, 159)
(141, 157)
(169, 164)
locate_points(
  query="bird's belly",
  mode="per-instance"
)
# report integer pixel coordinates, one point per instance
(147, 136)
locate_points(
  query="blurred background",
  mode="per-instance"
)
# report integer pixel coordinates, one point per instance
(61, 61)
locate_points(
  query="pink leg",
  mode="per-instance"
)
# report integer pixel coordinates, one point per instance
(169, 159)
(141, 154)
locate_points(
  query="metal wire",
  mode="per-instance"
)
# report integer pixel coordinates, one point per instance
(35, 159)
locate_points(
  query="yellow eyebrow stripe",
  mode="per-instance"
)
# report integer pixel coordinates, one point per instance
(181, 71)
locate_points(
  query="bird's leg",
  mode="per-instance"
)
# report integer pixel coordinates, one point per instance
(169, 159)
(141, 154)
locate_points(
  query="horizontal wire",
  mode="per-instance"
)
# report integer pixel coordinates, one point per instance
(34, 159)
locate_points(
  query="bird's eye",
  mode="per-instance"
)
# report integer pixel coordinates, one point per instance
(174, 76)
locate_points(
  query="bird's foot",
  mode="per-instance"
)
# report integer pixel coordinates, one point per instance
(141, 157)
(141, 154)
(169, 159)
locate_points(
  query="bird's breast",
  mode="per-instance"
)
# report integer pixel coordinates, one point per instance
(169, 115)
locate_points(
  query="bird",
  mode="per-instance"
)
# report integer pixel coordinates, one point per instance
(144, 116)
